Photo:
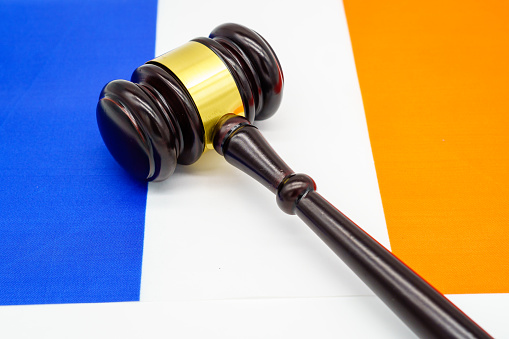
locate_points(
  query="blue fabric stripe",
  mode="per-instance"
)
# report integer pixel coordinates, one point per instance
(71, 220)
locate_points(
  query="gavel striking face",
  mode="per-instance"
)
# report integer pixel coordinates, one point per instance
(205, 94)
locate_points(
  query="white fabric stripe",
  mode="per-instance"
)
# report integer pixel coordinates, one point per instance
(212, 232)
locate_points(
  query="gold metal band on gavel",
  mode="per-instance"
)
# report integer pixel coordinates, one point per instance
(208, 81)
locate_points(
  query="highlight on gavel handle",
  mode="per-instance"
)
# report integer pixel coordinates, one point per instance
(425, 310)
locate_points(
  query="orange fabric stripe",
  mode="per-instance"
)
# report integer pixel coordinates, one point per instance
(434, 77)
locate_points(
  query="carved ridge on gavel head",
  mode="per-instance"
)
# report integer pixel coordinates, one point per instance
(205, 94)
(167, 113)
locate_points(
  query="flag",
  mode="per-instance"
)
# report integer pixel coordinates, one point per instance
(372, 114)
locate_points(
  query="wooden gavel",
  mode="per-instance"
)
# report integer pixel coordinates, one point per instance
(206, 94)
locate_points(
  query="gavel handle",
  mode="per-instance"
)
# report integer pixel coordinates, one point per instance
(425, 310)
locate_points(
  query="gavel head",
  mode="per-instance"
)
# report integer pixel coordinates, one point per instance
(167, 113)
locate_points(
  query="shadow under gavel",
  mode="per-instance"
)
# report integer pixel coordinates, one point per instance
(205, 94)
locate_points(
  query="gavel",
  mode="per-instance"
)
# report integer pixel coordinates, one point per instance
(205, 95)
